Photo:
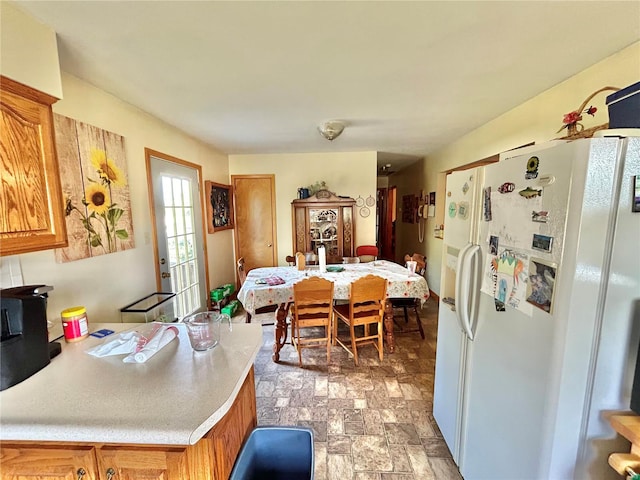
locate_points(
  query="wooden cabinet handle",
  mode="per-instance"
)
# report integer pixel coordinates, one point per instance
(81, 473)
(110, 473)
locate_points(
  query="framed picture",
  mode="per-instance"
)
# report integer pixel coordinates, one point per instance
(541, 285)
(219, 206)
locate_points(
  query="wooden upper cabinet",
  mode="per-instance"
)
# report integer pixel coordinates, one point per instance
(31, 203)
(324, 219)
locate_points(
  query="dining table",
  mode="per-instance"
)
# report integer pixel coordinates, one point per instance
(273, 286)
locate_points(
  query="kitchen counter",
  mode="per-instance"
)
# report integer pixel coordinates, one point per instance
(174, 398)
(626, 424)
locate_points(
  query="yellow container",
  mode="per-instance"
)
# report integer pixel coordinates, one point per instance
(75, 324)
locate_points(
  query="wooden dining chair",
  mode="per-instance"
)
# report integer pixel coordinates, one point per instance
(367, 253)
(312, 307)
(334, 259)
(350, 259)
(406, 303)
(242, 273)
(311, 258)
(366, 307)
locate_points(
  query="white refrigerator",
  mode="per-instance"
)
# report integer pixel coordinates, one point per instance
(539, 319)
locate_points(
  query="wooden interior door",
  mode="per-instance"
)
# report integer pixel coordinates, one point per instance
(387, 237)
(255, 214)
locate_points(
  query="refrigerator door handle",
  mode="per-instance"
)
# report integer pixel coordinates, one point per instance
(461, 287)
(471, 314)
(466, 286)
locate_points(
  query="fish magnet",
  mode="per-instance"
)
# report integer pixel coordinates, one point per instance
(530, 192)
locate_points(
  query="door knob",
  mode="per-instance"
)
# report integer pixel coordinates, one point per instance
(81, 473)
(269, 245)
(165, 275)
(110, 473)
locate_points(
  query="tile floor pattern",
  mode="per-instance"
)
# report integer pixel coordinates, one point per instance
(371, 422)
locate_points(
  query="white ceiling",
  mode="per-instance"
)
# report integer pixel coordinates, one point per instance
(406, 77)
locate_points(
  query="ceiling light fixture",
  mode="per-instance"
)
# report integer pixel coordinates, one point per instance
(331, 129)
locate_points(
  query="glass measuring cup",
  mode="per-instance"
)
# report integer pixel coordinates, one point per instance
(204, 329)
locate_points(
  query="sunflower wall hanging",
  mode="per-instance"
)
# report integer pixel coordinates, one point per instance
(95, 188)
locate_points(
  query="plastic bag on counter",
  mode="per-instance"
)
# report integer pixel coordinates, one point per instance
(140, 345)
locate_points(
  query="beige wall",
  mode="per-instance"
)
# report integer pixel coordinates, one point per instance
(536, 120)
(346, 173)
(106, 283)
(28, 51)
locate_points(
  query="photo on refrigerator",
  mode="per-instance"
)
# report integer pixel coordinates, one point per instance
(542, 279)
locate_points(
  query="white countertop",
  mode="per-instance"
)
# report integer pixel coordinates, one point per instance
(172, 399)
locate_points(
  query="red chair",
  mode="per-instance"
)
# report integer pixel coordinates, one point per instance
(367, 253)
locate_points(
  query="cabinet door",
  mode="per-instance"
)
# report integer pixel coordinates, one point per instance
(31, 205)
(324, 230)
(20, 462)
(348, 232)
(228, 435)
(129, 463)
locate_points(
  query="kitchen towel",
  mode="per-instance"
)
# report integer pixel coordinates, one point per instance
(139, 345)
(153, 345)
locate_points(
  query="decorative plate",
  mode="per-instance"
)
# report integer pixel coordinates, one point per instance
(334, 269)
(359, 201)
(364, 212)
(370, 201)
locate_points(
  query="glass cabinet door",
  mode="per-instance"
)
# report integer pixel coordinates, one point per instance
(323, 229)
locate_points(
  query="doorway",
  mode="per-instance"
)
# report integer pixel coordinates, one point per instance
(386, 224)
(177, 220)
(255, 214)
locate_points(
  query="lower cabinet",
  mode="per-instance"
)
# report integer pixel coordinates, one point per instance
(127, 463)
(68, 462)
(21, 461)
(212, 458)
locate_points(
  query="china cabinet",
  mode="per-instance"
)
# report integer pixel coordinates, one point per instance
(31, 205)
(324, 219)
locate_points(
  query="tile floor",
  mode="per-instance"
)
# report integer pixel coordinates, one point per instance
(371, 422)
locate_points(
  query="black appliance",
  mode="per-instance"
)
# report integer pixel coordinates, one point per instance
(24, 346)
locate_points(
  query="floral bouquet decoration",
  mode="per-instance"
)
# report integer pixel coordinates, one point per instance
(102, 215)
(571, 120)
